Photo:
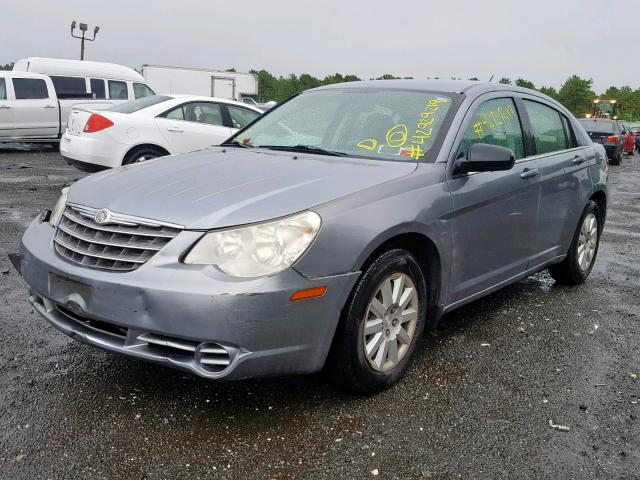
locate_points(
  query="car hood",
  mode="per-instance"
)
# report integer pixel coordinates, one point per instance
(218, 187)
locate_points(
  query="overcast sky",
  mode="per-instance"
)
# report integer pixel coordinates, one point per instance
(545, 42)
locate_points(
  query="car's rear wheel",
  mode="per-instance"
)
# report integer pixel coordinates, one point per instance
(577, 265)
(381, 324)
(141, 154)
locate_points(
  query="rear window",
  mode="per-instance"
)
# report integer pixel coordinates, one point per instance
(69, 86)
(135, 105)
(30, 88)
(597, 126)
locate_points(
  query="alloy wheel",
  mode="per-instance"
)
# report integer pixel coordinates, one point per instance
(587, 242)
(390, 322)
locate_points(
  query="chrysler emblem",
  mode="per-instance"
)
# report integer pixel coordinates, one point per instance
(102, 216)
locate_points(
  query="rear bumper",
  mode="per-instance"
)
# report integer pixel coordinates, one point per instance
(92, 153)
(253, 321)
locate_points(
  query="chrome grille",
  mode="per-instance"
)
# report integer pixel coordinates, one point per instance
(121, 244)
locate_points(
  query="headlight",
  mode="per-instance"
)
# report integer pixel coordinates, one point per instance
(58, 208)
(257, 250)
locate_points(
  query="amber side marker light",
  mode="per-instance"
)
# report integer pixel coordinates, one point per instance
(307, 293)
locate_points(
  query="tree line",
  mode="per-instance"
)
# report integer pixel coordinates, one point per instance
(576, 93)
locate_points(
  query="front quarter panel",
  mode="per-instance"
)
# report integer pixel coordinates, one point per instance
(354, 226)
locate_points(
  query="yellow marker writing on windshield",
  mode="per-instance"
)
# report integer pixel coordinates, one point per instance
(368, 144)
(397, 135)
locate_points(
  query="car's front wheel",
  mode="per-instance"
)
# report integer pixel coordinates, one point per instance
(381, 324)
(578, 263)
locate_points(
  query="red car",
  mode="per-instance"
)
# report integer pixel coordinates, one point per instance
(629, 139)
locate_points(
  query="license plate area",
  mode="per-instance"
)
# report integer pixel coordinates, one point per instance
(66, 291)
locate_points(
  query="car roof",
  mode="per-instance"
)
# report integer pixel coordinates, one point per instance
(202, 98)
(445, 86)
(20, 74)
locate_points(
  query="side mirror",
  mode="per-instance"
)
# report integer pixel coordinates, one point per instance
(483, 157)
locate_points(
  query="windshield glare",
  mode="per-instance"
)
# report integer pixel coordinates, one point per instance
(378, 124)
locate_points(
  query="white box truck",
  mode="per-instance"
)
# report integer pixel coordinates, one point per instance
(194, 81)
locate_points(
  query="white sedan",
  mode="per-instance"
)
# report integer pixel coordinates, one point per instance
(150, 127)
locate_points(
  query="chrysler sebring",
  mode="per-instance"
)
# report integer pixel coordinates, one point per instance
(327, 234)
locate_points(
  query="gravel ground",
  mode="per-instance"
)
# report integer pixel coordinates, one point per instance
(476, 404)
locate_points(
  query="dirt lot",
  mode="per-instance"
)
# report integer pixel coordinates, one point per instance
(476, 404)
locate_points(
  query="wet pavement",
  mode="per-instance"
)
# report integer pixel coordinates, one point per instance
(476, 404)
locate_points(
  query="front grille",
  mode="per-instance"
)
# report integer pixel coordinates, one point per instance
(121, 244)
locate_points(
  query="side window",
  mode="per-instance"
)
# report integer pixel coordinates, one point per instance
(569, 133)
(118, 90)
(140, 90)
(204, 112)
(496, 122)
(69, 86)
(548, 131)
(175, 114)
(240, 117)
(3, 89)
(30, 88)
(97, 88)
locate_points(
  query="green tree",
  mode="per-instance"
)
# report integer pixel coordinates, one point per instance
(576, 95)
(521, 82)
(550, 91)
(7, 66)
(388, 76)
(474, 79)
(505, 81)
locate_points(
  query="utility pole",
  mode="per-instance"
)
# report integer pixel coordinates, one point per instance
(83, 29)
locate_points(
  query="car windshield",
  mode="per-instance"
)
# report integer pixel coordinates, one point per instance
(595, 126)
(372, 123)
(135, 105)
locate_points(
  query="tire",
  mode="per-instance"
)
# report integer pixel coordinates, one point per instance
(348, 364)
(137, 155)
(571, 271)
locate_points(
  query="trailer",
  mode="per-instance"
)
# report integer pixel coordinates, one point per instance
(194, 81)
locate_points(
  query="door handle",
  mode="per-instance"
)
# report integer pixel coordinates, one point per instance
(5, 107)
(577, 160)
(530, 172)
(49, 106)
(175, 129)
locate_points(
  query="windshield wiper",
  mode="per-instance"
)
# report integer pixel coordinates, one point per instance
(305, 149)
(236, 143)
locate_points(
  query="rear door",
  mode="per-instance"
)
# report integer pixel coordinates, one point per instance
(563, 165)
(193, 126)
(223, 87)
(6, 112)
(35, 108)
(495, 213)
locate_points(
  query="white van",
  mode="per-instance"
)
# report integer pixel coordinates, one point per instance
(82, 79)
(37, 97)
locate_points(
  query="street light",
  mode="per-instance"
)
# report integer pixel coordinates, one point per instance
(83, 28)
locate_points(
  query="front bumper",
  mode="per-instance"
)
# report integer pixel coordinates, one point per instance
(172, 313)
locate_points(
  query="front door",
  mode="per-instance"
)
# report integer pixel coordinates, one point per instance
(494, 213)
(193, 126)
